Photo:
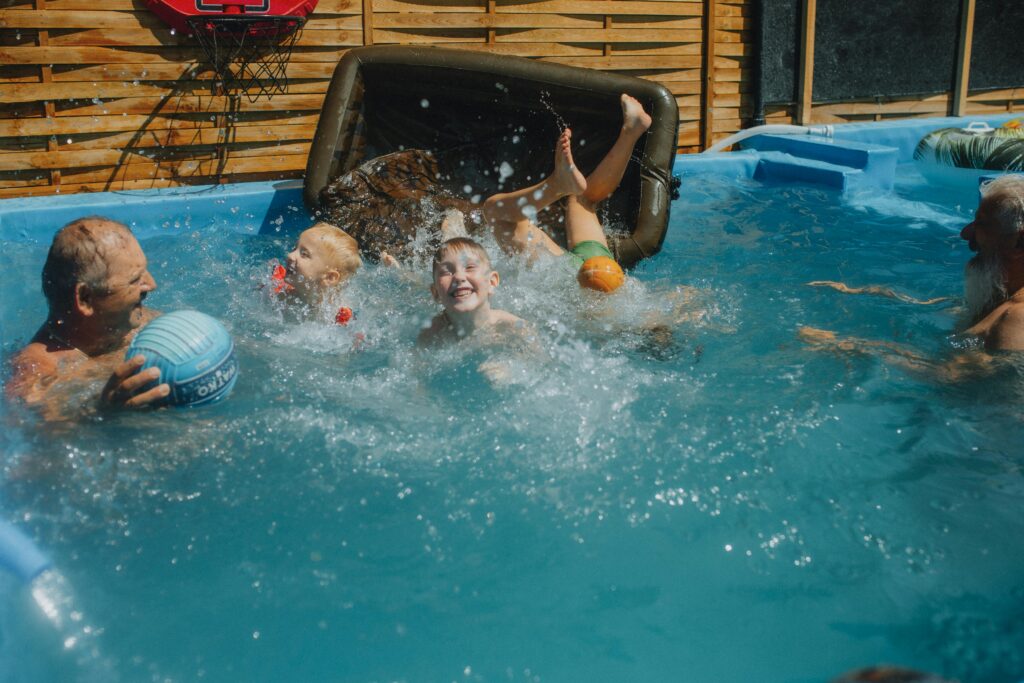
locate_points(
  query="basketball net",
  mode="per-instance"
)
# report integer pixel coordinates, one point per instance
(248, 53)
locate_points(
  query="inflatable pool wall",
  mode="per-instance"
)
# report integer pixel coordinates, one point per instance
(492, 109)
(950, 155)
(19, 555)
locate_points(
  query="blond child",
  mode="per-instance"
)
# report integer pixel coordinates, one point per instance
(463, 283)
(315, 271)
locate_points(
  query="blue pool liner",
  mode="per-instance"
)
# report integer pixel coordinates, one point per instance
(250, 208)
(19, 555)
(859, 156)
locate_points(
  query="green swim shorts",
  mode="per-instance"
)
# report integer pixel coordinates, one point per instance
(585, 250)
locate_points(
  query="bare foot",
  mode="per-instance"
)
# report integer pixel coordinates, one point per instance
(388, 260)
(453, 225)
(634, 119)
(566, 178)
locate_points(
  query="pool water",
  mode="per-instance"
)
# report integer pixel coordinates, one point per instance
(709, 501)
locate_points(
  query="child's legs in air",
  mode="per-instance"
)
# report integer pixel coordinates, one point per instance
(581, 221)
(512, 213)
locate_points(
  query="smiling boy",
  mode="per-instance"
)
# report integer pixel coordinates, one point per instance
(463, 283)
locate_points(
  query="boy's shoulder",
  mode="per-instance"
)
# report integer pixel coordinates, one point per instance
(436, 332)
(504, 319)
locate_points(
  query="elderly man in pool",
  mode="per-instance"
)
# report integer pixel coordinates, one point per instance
(95, 279)
(994, 278)
(993, 290)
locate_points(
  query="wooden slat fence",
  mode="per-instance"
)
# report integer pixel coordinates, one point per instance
(100, 99)
(111, 98)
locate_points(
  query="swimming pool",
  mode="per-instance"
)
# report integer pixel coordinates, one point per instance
(719, 505)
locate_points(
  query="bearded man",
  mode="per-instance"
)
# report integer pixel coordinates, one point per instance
(994, 278)
(95, 279)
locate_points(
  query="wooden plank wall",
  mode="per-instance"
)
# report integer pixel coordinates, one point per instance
(104, 96)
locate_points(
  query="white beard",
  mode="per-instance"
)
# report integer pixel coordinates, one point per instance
(983, 287)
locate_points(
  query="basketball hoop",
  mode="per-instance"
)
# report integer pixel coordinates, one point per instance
(248, 53)
(247, 42)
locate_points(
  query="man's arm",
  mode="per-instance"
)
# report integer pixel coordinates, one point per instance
(961, 367)
(877, 290)
(39, 381)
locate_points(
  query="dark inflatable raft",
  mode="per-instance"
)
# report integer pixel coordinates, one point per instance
(407, 131)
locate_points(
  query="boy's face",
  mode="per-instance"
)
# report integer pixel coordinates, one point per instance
(463, 281)
(307, 268)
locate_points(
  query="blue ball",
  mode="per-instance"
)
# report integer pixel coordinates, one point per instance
(195, 354)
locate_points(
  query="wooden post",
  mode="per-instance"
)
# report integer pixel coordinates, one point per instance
(492, 9)
(367, 22)
(46, 76)
(805, 84)
(963, 62)
(707, 104)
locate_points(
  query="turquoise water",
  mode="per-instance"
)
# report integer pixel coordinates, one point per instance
(716, 503)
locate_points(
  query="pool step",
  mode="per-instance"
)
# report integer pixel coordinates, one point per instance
(842, 164)
(786, 168)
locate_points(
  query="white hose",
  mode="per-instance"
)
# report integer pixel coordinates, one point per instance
(772, 128)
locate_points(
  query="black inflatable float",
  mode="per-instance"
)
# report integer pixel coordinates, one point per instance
(459, 125)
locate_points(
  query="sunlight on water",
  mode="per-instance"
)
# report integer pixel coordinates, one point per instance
(656, 482)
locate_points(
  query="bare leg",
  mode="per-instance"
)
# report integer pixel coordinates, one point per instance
(608, 174)
(582, 223)
(524, 204)
(525, 237)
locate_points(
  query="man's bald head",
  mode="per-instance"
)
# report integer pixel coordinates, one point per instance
(79, 254)
(1006, 196)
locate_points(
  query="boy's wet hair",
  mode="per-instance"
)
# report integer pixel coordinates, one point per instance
(340, 248)
(457, 244)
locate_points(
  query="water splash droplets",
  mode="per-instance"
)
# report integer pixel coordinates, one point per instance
(545, 99)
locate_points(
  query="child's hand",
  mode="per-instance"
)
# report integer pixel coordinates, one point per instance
(498, 373)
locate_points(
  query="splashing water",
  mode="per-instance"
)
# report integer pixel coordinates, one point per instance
(545, 100)
(656, 481)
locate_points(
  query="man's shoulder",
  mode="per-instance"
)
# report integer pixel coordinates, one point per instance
(32, 369)
(35, 355)
(1006, 333)
(1013, 314)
